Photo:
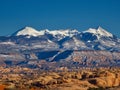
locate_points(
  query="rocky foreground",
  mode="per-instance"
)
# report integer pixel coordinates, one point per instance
(19, 78)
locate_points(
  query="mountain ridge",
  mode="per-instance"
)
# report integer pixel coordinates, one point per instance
(93, 47)
(91, 39)
(31, 31)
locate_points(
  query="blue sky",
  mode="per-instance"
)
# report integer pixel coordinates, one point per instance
(59, 14)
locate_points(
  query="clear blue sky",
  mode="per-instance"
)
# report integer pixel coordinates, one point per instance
(59, 14)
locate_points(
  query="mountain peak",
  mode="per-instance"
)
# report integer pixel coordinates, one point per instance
(28, 28)
(103, 32)
(27, 31)
(99, 27)
(99, 31)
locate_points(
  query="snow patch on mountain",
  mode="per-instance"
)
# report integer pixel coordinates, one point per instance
(7, 43)
(66, 32)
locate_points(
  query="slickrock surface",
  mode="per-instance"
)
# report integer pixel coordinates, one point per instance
(20, 78)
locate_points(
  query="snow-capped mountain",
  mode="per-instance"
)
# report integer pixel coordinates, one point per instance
(61, 45)
(67, 32)
(91, 39)
(27, 31)
(33, 32)
(99, 32)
